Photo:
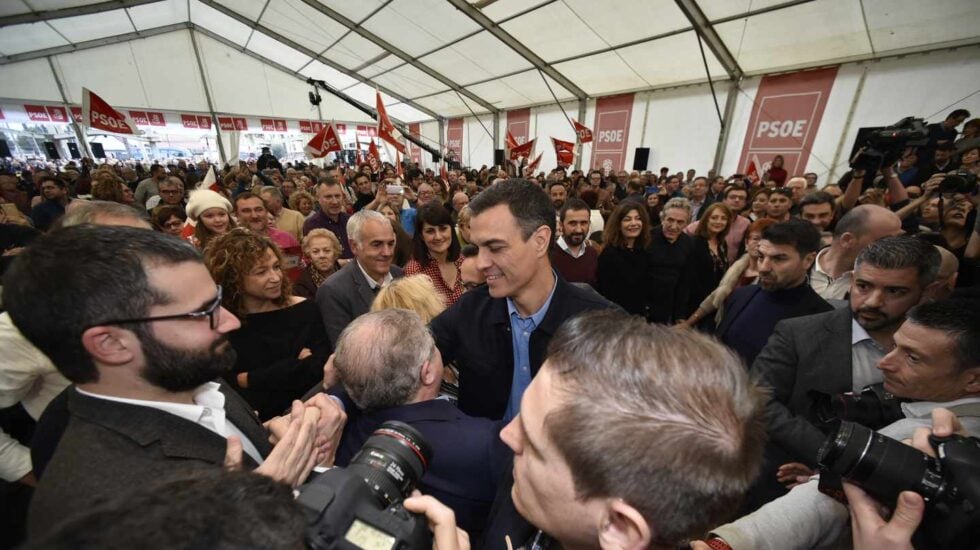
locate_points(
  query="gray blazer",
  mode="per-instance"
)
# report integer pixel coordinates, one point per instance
(345, 296)
(803, 354)
(109, 448)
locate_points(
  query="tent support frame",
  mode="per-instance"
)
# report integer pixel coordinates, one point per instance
(207, 95)
(79, 134)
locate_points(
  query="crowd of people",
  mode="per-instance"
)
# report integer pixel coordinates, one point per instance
(627, 359)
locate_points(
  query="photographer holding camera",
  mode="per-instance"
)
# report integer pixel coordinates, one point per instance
(934, 365)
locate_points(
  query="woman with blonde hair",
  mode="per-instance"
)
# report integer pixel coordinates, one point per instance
(282, 343)
(302, 202)
(322, 250)
(415, 293)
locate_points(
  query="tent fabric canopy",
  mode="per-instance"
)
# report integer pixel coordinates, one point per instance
(440, 58)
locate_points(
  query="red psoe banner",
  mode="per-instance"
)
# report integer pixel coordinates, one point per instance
(99, 115)
(226, 123)
(612, 128)
(518, 127)
(37, 113)
(582, 132)
(76, 113)
(306, 126)
(240, 124)
(57, 114)
(325, 141)
(156, 119)
(204, 122)
(454, 139)
(140, 118)
(189, 121)
(785, 119)
(268, 125)
(279, 125)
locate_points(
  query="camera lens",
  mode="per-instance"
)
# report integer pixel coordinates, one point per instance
(881, 465)
(392, 461)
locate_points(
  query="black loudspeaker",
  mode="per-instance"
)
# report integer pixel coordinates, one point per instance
(51, 150)
(498, 157)
(73, 149)
(98, 150)
(4, 149)
(641, 158)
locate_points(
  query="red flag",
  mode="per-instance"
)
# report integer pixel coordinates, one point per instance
(359, 157)
(511, 142)
(386, 129)
(443, 173)
(752, 172)
(325, 141)
(529, 170)
(583, 133)
(522, 150)
(565, 151)
(373, 157)
(96, 113)
(398, 167)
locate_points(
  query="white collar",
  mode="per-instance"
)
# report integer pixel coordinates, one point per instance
(371, 282)
(819, 269)
(564, 246)
(206, 396)
(923, 409)
(858, 334)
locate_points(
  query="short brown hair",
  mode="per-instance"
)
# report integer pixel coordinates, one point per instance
(230, 257)
(613, 235)
(666, 420)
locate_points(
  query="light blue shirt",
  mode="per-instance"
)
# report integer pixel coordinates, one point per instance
(408, 221)
(520, 331)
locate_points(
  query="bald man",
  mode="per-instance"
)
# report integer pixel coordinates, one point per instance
(946, 279)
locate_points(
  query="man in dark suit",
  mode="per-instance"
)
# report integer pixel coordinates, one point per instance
(497, 335)
(837, 351)
(348, 293)
(785, 255)
(143, 355)
(390, 369)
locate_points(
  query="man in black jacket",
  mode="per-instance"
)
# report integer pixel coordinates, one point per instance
(497, 335)
(785, 254)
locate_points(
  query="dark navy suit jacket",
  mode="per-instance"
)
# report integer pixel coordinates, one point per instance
(467, 453)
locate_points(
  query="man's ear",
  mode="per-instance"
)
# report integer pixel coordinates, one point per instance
(109, 345)
(809, 259)
(427, 374)
(622, 527)
(542, 239)
(972, 377)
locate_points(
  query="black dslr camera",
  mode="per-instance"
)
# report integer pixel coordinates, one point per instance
(361, 506)
(884, 147)
(885, 467)
(873, 407)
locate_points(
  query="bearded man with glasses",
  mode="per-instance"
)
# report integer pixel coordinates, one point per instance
(134, 320)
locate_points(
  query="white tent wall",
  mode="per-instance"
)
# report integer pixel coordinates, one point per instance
(922, 85)
(548, 122)
(430, 136)
(30, 80)
(477, 145)
(681, 128)
(156, 72)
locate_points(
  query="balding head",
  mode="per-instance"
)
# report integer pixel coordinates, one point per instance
(949, 267)
(864, 225)
(798, 186)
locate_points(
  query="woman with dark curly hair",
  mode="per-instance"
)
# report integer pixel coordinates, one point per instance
(625, 259)
(282, 344)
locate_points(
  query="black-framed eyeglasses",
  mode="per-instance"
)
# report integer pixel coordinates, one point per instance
(211, 312)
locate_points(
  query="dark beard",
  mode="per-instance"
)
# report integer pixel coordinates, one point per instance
(178, 370)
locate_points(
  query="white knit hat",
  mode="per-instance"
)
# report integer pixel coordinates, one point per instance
(202, 199)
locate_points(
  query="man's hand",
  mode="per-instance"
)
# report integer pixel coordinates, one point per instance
(295, 455)
(944, 424)
(304, 353)
(442, 522)
(329, 427)
(869, 529)
(793, 474)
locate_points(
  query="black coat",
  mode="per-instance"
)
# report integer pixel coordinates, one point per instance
(475, 333)
(670, 283)
(703, 275)
(623, 278)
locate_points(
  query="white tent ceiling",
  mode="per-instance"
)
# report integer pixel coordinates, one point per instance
(439, 58)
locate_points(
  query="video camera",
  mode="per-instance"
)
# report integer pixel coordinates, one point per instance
(962, 182)
(884, 146)
(885, 467)
(872, 407)
(361, 506)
